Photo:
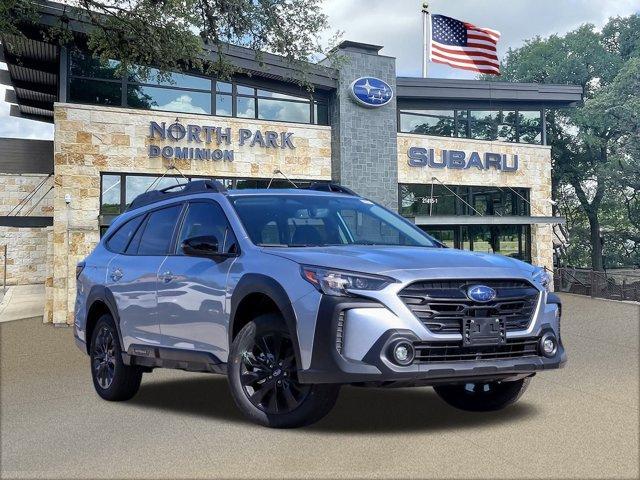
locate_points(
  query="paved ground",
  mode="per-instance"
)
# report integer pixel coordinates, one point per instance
(22, 301)
(579, 422)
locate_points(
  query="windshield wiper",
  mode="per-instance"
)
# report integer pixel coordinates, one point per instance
(272, 245)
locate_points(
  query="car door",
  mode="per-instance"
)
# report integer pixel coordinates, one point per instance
(133, 275)
(192, 289)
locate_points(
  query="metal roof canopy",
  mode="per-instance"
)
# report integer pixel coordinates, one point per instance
(486, 220)
(412, 92)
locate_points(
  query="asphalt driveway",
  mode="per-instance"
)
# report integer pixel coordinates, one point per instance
(579, 422)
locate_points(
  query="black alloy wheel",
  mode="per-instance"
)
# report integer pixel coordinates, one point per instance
(103, 357)
(268, 374)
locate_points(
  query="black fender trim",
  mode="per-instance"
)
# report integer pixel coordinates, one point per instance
(100, 293)
(553, 298)
(258, 283)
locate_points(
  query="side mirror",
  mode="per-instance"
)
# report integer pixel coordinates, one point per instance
(202, 246)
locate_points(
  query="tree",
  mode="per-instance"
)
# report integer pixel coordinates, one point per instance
(172, 35)
(594, 146)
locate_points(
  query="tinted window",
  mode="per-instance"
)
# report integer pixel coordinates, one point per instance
(207, 219)
(157, 234)
(119, 240)
(157, 98)
(308, 220)
(95, 92)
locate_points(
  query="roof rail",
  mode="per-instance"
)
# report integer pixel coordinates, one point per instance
(188, 188)
(332, 187)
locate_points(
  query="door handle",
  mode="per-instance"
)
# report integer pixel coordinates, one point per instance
(116, 274)
(167, 276)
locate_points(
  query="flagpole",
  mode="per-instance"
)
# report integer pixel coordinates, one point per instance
(426, 37)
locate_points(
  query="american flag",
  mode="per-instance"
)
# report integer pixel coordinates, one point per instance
(463, 45)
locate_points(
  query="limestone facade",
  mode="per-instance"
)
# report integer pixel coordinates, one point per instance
(26, 247)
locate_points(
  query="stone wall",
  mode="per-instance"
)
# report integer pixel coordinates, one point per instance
(364, 139)
(534, 173)
(26, 247)
(89, 140)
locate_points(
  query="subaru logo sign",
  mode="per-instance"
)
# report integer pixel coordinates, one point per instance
(481, 293)
(371, 92)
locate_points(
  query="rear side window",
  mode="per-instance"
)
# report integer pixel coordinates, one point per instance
(157, 234)
(119, 240)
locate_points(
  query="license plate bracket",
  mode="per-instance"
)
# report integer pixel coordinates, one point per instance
(484, 331)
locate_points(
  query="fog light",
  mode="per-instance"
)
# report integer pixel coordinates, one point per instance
(548, 345)
(403, 353)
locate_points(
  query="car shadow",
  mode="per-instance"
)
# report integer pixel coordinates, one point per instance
(358, 410)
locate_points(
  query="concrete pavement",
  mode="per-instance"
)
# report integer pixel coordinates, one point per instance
(22, 301)
(578, 422)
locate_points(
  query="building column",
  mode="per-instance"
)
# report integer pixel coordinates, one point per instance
(364, 152)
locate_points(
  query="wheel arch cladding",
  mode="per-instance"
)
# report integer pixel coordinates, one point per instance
(100, 301)
(256, 294)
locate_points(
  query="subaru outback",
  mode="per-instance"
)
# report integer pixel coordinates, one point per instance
(293, 293)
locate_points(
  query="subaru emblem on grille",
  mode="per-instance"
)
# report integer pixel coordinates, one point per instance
(481, 293)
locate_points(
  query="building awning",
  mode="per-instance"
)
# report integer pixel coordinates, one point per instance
(486, 220)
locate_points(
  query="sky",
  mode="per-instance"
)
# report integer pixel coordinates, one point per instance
(397, 25)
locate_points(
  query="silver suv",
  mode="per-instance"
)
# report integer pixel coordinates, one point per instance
(293, 293)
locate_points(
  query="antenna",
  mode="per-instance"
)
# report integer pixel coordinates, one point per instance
(278, 171)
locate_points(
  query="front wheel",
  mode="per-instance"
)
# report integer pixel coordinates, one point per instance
(264, 382)
(484, 396)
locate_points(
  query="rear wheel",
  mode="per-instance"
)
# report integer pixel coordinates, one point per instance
(482, 397)
(264, 382)
(112, 379)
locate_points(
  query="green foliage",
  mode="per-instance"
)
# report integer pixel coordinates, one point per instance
(172, 35)
(595, 147)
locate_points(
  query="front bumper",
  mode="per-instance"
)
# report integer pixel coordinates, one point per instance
(353, 338)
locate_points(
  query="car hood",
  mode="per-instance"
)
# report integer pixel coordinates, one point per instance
(401, 261)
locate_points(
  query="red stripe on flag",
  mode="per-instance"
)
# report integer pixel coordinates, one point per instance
(478, 65)
(479, 69)
(468, 60)
(483, 37)
(463, 51)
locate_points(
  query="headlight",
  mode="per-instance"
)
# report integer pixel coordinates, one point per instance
(339, 282)
(543, 278)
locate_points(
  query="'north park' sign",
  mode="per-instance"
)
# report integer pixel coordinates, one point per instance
(198, 135)
(457, 159)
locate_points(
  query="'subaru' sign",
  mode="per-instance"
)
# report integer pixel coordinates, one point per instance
(457, 159)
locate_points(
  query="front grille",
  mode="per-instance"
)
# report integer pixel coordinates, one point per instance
(429, 352)
(442, 305)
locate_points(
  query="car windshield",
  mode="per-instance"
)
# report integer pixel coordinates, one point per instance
(315, 220)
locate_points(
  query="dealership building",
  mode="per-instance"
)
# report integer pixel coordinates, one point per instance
(465, 160)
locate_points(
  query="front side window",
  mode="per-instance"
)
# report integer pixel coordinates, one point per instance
(207, 219)
(308, 221)
(158, 231)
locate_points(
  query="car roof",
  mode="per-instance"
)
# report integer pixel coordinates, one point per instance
(283, 191)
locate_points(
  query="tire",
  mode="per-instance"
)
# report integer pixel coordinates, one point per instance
(482, 397)
(112, 379)
(263, 379)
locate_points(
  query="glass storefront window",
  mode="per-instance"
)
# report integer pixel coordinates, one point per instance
(152, 75)
(138, 184)
(84, 64)
(110, 197)
(321, 113)
(416, 199)
(283, 110)
(246, 107)
(157, 98)
(530, 127)
(94, 82)
(503, 125)
(428, 122)
(95, 92)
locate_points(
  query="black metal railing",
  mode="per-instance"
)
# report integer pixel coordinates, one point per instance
(615, 285)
